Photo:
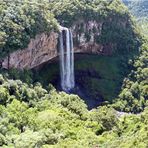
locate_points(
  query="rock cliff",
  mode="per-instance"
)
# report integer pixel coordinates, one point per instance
(97, 27)
(41, 49)
(84, 41)
(85, 38)
(44, 47)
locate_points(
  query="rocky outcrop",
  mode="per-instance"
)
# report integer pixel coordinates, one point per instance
(40, 50)
(44, 47)
(85, 38)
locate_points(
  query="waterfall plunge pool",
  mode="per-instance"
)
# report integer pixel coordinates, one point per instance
(97, 78)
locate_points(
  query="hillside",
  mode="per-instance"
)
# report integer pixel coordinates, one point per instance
(108, 105)
(21, 21)
(113, 34)
(34, 117)
(139, 9)
(31, 18)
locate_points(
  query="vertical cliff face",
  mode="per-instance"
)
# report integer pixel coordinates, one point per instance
(97, 27)
(44, 47)
(40, 49)
(86, 35)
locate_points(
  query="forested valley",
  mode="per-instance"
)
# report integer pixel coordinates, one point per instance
(106, 49)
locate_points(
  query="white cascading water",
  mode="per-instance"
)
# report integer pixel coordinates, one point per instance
(66, 59)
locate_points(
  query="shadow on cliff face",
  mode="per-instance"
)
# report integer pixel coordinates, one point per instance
(98, 78)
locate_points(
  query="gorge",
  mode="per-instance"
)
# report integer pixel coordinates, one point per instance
(96, 40)
(73, 74)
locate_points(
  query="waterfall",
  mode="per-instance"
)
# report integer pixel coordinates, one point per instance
(66, 59)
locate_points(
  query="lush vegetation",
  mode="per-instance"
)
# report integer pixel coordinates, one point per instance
(118, 29)
(36, 115)
(22, 20)
(134, 95)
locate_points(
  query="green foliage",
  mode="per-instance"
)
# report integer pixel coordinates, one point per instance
(35, 117)
(32, 116)
(134, 96)
(118, 28)
(45, 118)
(131, 132)
(22, 20)
(105, 116)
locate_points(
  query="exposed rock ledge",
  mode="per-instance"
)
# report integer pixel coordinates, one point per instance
(41, 49)
(44, 47)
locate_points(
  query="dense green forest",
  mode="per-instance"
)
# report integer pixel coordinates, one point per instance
(34, 117)
(21, 21)
(34, 114)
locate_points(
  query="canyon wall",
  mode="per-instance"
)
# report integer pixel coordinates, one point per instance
(40, 49)
(85, 36)
(44, 47)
